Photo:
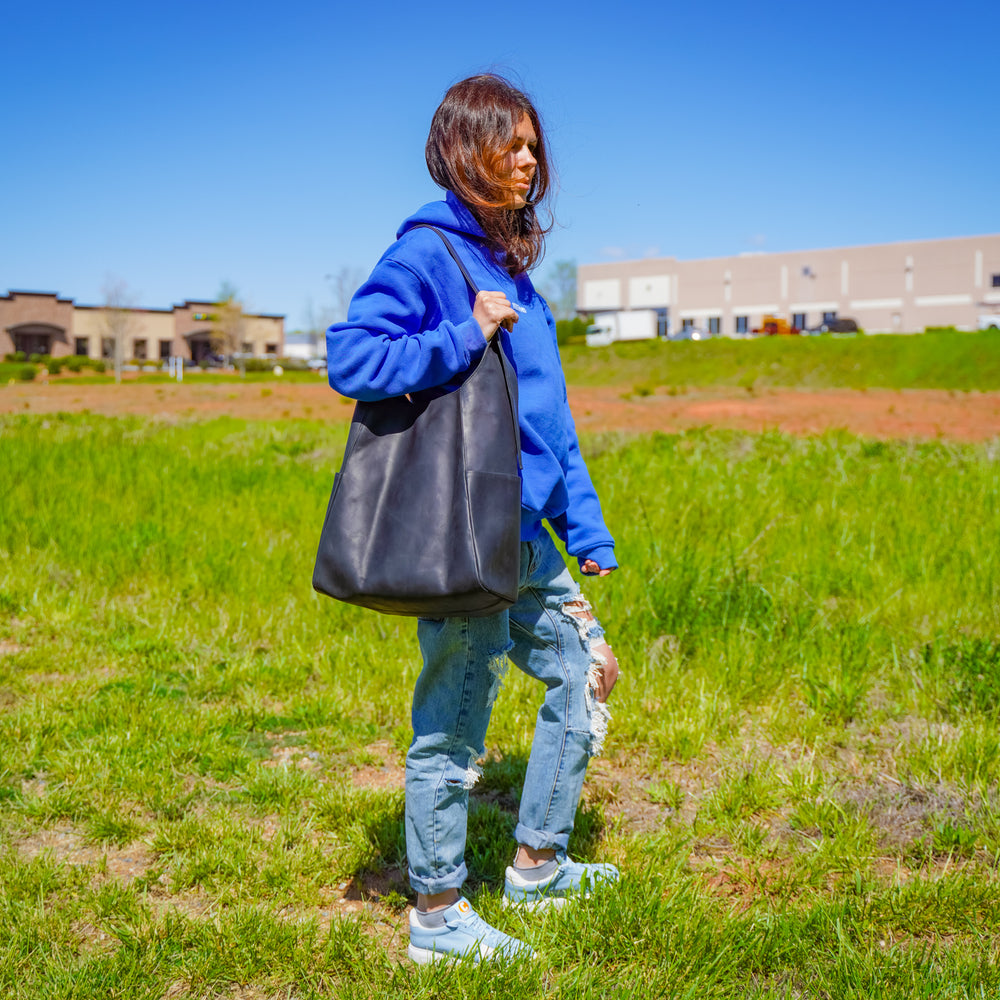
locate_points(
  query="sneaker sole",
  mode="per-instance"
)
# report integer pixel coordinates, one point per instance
(429, 956)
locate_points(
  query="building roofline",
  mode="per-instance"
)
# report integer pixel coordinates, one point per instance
(748, 254)
(14, 292)
(188, 303)
(41, 295)
(135, 309)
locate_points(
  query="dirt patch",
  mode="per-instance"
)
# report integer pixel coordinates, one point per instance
(71, 847)
(911, 413)
(384, 770)
(924, 414)
(902, 814)
(181, 989)
(283, 756)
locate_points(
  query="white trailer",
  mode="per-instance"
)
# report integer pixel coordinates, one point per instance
(634, 324)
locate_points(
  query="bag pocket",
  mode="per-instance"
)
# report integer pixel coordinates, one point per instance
(496, 534)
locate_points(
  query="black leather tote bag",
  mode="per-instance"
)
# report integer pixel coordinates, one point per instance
(425, 514)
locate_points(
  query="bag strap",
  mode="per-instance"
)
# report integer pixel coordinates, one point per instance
(493, 340)
(451, 250)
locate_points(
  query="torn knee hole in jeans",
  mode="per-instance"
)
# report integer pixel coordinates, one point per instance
(578, 610)
(473, 771)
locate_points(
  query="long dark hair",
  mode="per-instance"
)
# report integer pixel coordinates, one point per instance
(471, 133)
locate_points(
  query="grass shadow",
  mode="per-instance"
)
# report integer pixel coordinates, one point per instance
(381, 872)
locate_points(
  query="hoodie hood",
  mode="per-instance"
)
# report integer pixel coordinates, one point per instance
(450, 214)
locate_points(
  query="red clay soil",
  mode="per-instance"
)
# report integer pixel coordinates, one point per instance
(911, 413)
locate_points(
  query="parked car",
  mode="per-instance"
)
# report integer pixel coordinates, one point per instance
(836, 326)
(689, 333)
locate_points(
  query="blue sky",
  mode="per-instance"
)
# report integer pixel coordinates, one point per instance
(175, 146)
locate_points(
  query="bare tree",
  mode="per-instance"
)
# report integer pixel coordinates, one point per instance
(229, 324)
(344, 284)
(118, 319)
(559, 289)
(318, 319)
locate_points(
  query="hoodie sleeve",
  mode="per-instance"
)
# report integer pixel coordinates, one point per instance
(581, 526)
(395, 339)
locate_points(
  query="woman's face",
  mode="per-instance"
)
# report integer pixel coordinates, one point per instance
(518, 169)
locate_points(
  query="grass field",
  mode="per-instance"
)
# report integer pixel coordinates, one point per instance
(200, 772)
(941, 360)
(944, 360)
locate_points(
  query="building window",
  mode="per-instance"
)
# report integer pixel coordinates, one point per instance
(165, 346)
(830, 317)
(107, 348)
(139, 350)
(799, 321)
(713, 325)
(662, 322)
(82, 346)
(995, 281)
(742, 324)
(687, 324)
(270, 348)
(246, 347)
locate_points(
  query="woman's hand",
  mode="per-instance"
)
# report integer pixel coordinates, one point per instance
(493, 310)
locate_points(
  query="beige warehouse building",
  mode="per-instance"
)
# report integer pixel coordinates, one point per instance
(44, 323)
(885, 288)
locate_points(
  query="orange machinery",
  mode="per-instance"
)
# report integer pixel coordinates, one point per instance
(776, 326)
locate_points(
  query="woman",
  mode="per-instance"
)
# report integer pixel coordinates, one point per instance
(412, 326)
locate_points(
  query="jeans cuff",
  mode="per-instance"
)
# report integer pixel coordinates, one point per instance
(432, 884)
(540, 840)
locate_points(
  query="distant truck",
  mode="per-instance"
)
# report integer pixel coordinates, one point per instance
(775, 326)
(635, 324)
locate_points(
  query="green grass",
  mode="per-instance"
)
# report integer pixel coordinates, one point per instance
(945, 360)
(198, 754)
(14, 371)
(936, 360)
(208, 377)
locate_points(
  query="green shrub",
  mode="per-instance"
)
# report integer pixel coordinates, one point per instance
(77, 362)
(27, 373)
(99, 366)
(54, 366)
(36, 359)
(572, 330)
(19, 356)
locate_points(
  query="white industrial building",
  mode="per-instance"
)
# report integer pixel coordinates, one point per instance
(886, 288)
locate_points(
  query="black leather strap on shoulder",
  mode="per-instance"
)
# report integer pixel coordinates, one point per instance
(451, 250)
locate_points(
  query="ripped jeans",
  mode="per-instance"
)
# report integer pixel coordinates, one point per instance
(464, 663)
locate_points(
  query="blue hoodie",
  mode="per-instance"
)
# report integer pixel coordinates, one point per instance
(410, 327)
